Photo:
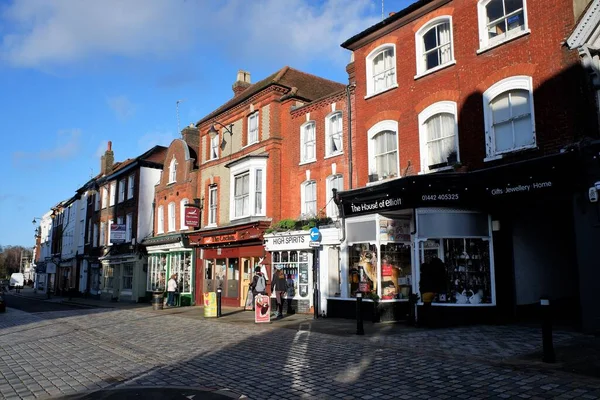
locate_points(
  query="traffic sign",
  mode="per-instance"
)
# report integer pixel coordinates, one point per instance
(315, 235)
(314, 244)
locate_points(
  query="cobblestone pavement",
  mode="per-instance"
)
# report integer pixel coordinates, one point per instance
(67, 352)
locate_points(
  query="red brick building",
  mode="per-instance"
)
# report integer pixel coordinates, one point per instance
(243, 183)
(175, 194)
(487, 86)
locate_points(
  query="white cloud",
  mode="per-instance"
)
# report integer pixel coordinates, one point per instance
(67, 146)
(122, 107)
(44, 33)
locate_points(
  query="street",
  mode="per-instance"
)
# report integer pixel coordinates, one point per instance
(65, 351)
(36, 306)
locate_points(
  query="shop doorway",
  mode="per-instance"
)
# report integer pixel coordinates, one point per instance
(247, 272)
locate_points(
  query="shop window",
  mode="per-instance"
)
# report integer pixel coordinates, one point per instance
(107, 277)
(128, 276)
(335, 273)
(363, 269)
(157, 271)
(220, 272)
(233, 278)
(295, 266)
(209, 283)
(466, 275)
(181, 264)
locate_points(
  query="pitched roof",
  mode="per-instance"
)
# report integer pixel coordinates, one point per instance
(309, 87)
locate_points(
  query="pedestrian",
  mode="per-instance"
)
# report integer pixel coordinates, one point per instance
(279, 286)
(291, 292)
(171, 289)
(258, 285)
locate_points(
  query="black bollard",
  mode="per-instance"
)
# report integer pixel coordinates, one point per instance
(360, 330)
(218, 302)
(548, 346)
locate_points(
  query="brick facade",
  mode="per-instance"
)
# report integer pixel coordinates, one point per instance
(560, 93)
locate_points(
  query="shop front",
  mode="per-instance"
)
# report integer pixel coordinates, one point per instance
(226, 260)
(170, 255)
(66, 276)
(291, 252)
(122, 275)
(397, 230)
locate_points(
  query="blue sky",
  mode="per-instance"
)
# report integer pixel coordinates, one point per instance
(76, 74)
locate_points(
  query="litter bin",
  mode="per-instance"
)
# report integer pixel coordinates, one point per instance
(157, 300)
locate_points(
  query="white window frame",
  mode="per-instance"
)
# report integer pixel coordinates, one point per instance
(332, 209)
(130, 186)
(485, 43)
(249, 166)
(173, 171)
(160, 221)
(387, 125)
(214, 146)
(303, 198)
(441, 107)
(113, 193)
(171, 220)
(420, 46)
(90, 227)
(122, 190)
(213, 201)
(128, 227)
(182, 225)
(104, 203)
(95, 241)
(252, 136)
(369, 69)
(97, 200)
(304, 143)
(329, 134)
(102, 233)
(109, 233)
(521, 82)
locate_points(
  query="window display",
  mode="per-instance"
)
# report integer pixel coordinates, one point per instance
(157, 270)
(396, 271)
(181, 264)
(468, 275)
(294, 264)
(363, 269)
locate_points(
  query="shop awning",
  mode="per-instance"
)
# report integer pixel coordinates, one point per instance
(512, 182)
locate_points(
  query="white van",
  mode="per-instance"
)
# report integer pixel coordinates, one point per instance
(17, 280)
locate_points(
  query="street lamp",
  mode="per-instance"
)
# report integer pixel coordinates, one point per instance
(35, 220)
(214, 132)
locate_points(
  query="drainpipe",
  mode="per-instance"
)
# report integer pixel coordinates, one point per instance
(349, 117)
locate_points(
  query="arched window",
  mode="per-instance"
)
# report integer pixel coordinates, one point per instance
(438, 134)
(173, 171)
(509, 117)
(383, 151)
(381, 69)
(434, 45)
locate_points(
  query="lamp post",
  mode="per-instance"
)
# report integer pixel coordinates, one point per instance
(213, 132)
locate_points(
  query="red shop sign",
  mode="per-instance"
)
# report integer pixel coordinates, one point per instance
(192, 216)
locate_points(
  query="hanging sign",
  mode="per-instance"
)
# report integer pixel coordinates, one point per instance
(192, 216)
(210, 304)
(262, 309)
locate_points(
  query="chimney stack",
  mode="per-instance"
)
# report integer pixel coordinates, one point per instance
(107, 160)
(242, 82)
(191, 136)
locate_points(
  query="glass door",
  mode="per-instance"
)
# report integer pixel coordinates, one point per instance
(233, 278)
(246, 279)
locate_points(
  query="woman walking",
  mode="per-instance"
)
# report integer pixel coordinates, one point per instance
(279, 286)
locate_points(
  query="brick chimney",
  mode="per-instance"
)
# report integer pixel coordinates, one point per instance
(242, 82)
(191, 136)
(107, 160)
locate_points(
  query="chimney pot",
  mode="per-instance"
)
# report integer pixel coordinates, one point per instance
(242, 82)
(109, 145)
(391, 13)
